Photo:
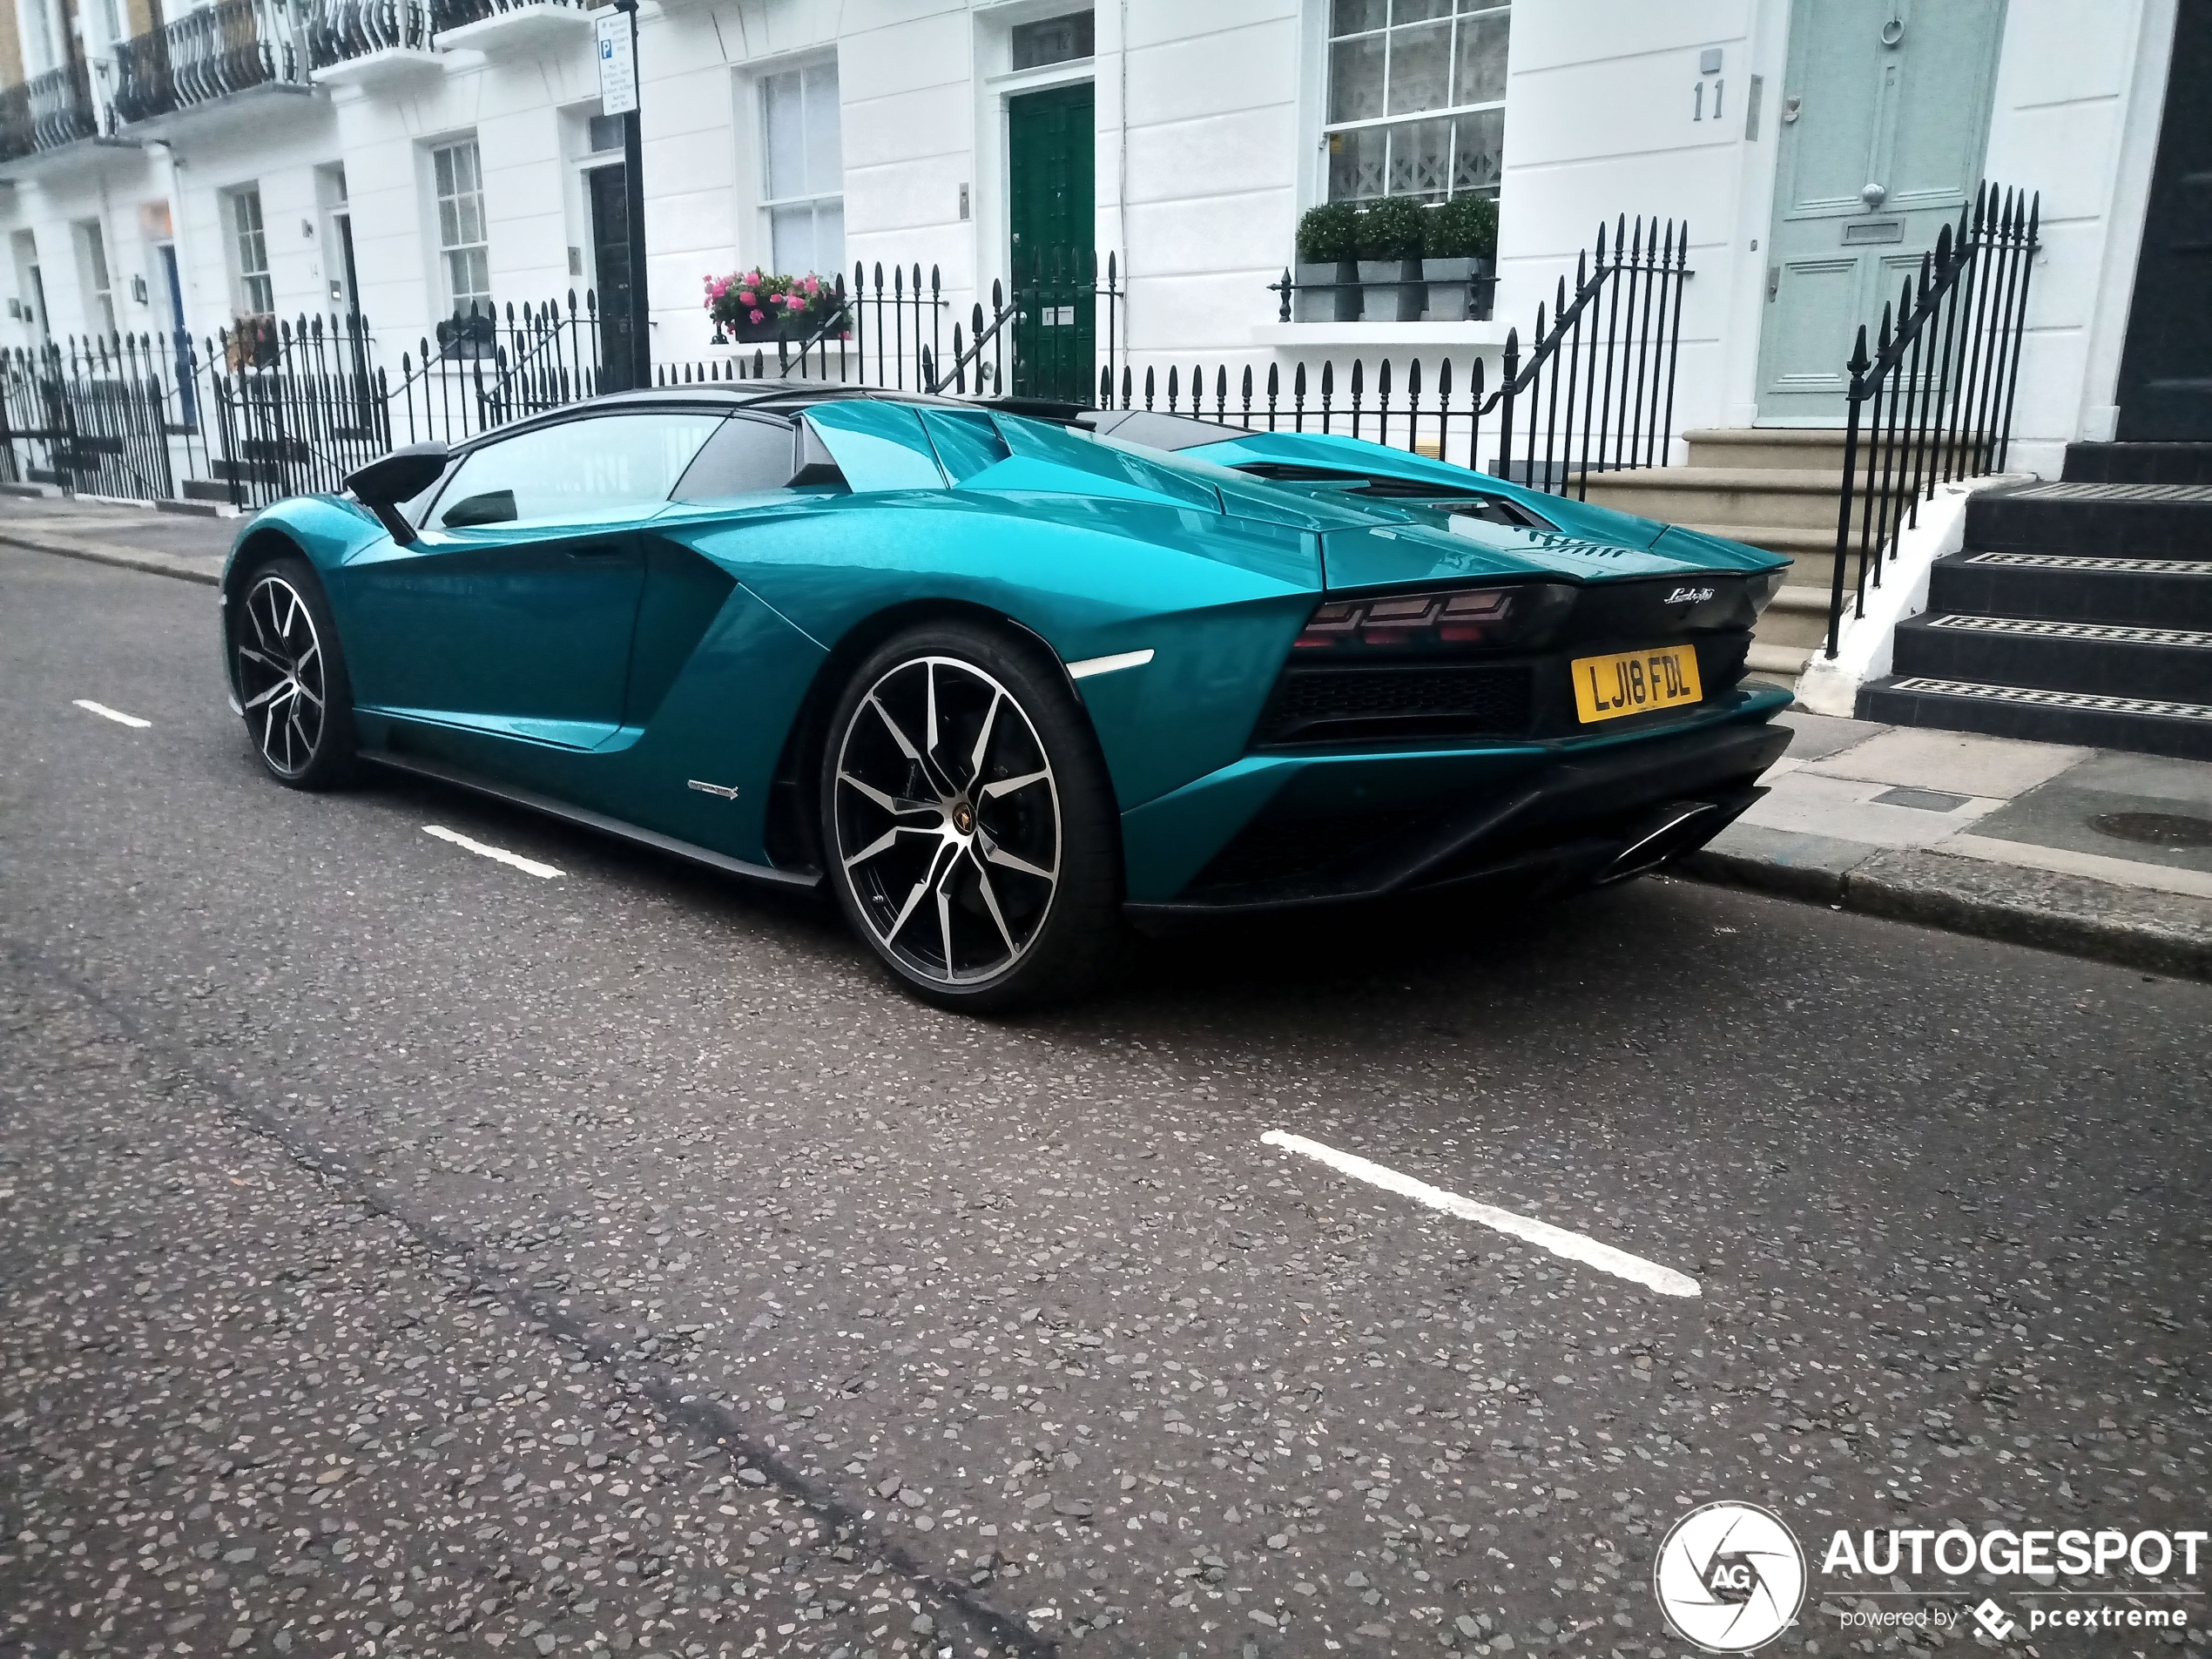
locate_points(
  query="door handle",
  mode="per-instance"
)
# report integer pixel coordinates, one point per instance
(599, 550)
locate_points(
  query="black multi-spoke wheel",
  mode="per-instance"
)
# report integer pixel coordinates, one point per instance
(969, 830)
(292, 676)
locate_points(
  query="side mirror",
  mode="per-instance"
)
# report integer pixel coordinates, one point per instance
(398, 477)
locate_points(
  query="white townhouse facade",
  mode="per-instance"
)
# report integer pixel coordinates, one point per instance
(172, 166)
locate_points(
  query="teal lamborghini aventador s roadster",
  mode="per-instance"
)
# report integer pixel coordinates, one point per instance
(1011, 678)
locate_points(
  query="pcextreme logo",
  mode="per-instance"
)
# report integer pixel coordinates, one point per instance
(1730, 1577)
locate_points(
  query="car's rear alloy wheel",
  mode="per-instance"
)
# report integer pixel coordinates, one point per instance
(291, 677)
(970, 830)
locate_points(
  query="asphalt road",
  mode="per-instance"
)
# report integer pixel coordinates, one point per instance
(400, 1253)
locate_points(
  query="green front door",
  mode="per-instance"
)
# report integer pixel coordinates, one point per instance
(1051, 185)
(1883, 118)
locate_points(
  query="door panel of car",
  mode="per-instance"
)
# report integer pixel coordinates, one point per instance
(714, 673)
(514, 610)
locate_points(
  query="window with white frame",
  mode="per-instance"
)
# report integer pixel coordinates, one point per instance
(802, 183)
(40, 35)
(256, 294)
(463, 248)
(99, 289)
(1416, 97)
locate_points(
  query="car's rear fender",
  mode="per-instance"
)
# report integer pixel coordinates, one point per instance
(1215, 604)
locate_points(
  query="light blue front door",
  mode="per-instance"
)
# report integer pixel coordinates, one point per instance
(1883, 117)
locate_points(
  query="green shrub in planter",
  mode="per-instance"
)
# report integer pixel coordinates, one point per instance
(1328, 281)
(1459, 245)
(1390, 260)
(1392, 228)
(1465, 227)
(1328, 234)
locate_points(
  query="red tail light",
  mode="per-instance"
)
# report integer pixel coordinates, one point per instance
(1478, 616)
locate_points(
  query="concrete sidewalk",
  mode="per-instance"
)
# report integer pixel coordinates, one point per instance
(190, 546)
(2075, 850)
(2079, 850)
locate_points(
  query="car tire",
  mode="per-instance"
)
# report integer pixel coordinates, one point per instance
(289, 671)
(968, 828)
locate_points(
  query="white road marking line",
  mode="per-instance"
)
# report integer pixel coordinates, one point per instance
(1574, 1246)
(1090, 665)
(497, 854)
(116, 715)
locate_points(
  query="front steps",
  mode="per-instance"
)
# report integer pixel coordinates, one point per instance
(1775, 488)
(2079, 612)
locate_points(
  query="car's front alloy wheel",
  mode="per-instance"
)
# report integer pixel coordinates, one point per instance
(291, 677)
(969, 829)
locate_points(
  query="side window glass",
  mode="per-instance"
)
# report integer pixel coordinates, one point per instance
(744, 456)
(574, 469)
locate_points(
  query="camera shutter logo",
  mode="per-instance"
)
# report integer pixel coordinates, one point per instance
(1730, 1577)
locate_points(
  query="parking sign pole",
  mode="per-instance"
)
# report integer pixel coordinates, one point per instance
(618, 42)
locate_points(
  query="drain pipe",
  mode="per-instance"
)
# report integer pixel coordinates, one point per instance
(1120, 188)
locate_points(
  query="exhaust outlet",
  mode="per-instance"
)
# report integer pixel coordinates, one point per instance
(1677, 827)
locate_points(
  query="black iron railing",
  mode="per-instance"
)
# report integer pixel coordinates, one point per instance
(493, 371)
(294, 407)
(1058, 316)
(46, 113)
(1594, 391)
(1057, 319)
(452, 14)
(102, 417)
(338, 30)
(1934, 402)
(300, 409)
(205, 55)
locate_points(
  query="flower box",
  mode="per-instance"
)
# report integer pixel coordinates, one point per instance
(1458, 289)
(1327, 292)
(1393, 290)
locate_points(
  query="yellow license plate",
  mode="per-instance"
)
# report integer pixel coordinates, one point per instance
(1634, 682)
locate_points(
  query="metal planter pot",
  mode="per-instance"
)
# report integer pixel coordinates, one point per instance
(1394, 290)
(1317, 301)
(1458, 289)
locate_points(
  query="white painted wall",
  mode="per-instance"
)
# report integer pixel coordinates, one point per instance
(2076, 118)
(1208, 117)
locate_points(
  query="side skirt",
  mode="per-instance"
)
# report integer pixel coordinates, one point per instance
(599, 821)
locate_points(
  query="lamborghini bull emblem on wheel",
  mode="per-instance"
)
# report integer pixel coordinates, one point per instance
(1011, 684)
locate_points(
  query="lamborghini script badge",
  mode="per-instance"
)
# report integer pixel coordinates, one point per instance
(728, 792)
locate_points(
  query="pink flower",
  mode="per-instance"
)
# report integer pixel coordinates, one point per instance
(748, 298)
(812, 286)
(760, 316)
(795, 302)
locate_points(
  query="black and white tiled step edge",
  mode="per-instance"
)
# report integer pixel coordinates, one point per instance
(2110, 492)
(2107, 632)
(2069, 587)
(2122, 521)
(2147, 726)
(2100, 659)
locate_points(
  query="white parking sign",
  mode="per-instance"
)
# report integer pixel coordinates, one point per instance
(617, 64)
